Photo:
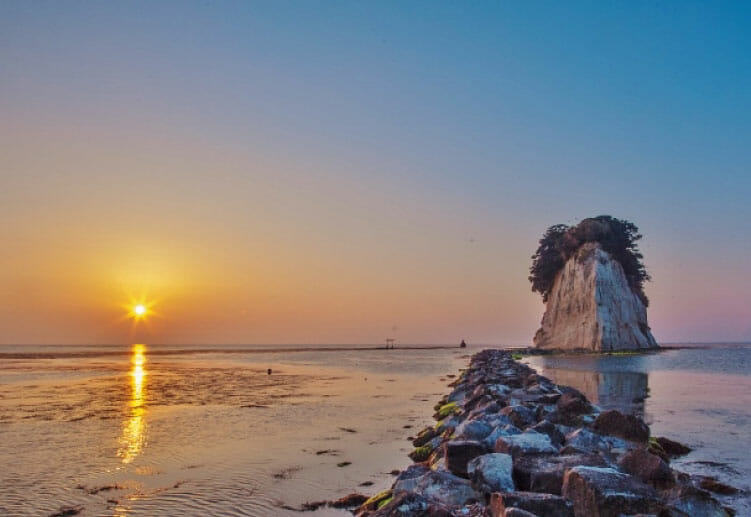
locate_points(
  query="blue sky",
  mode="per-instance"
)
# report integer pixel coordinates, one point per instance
(422, 146)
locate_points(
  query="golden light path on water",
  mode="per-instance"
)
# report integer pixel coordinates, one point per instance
(132, 439)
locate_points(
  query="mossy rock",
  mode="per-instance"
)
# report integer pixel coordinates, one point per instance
(421, 454)
(517, 357)
(656, 449)
(384, 502)
(375, 502)
(447, 410)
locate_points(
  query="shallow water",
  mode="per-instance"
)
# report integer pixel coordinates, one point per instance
(196, 431)
(143, 430)
(700, 396)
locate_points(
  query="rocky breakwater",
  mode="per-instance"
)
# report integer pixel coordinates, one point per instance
(511, 443)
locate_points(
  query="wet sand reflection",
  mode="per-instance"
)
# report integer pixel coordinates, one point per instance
(132, 439)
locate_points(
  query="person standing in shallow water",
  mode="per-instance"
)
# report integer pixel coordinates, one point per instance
(462, 344)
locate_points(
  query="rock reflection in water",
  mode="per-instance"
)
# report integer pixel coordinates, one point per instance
(621, 390)
(132, 438)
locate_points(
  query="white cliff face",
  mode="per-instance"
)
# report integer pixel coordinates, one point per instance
(592, 307)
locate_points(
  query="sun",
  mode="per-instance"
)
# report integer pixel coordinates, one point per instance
(139, 310)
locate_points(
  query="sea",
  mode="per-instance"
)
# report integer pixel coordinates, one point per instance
(148, 429)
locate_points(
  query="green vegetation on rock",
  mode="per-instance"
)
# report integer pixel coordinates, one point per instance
(447, 410)
(421, 453)
(377, 500)
(560, 242)
(383, 503)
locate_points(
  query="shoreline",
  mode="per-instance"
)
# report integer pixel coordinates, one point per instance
(509, 441)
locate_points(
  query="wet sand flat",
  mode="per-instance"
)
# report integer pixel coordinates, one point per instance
(141, 433)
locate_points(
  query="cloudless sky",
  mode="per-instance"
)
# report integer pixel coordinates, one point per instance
(343, 172)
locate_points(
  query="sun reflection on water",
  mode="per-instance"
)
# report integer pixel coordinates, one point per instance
(132, 439)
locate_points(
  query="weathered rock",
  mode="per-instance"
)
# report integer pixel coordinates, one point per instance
(544, 473)
(520, 416)
(615, 423)
(605, 492)
(508, 430)
(592, 306)
(406, 481)
(445, 488)
(672, 447)
(694, 501)
(529, 442)
(425, 436)
(459, 453)
(584, 440)
(553, 431)
(541, 505)
(473, 430)
(573, 402)
(517, 512)
(349, 501)
(711, 484)
(647, 467)
(491, 473)
(408, 504)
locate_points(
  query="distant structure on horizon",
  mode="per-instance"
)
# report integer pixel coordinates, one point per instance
(591, 279)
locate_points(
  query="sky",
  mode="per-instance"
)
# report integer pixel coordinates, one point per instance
(343, 172)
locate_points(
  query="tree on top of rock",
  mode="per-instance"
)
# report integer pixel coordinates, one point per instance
(559, 243)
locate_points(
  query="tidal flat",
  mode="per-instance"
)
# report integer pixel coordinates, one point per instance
(146, 430)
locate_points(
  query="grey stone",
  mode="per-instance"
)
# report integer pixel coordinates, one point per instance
(529, 442)
(491, 473)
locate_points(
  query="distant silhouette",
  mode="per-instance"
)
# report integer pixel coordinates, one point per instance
(462, 344)
(268, 372)
(389, 343)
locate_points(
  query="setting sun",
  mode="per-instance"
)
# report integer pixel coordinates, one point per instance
(139, 310)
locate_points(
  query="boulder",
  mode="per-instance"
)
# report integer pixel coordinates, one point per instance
(491, 473)
(458, 453)
(520, 416)
(444, 488)
(573, 402)
(544, 473)
(583, 440)
(529, 442)
(508, 430)
(425, 436)
(605, 492)
(553, 431)
(672, 447)
(517, 512)
(406, 481)
(647, 467)
(473, 430)
(615, 423)
(694, 501)
(408, 504)
(713, 485)
(541, 505)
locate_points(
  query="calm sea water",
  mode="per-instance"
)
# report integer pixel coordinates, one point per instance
(147, 430)
(699, 395)
(143, 430)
